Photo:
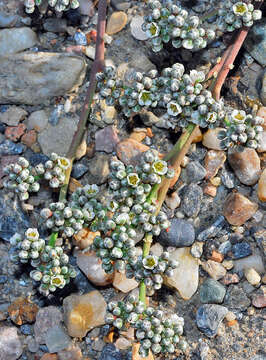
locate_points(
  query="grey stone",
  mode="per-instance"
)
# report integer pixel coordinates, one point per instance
(180, 233)
(56, 339)
(37, 120)
(263, 89)
(211, 291)
(15, 40)
(136, 29)
(241, 250)
(12, 218)
(13, 115)
(106, 139)
(33, 78)
(98, 169)
(121, 5)
(55, 25)
(10, 345)
(46, 318)
(110, 353)
(213, 230)
(195, 172)
(58, 138)
(209, 318)
(86, 7)
(227, 179)
(256, 42)
(79, 170)
(236, 298)
(7, 20)
(193, 195)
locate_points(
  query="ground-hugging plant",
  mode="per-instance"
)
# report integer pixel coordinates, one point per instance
(169, 22)
(58, 5)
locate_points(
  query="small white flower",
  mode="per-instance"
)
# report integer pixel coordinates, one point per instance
(91, 190)
(63, 162)
(256, 15)
(173, 108)
(58, 281)
(32, 234)
(212, 117)
(239, 116)
(188, 44)
(196, 76)
(240, 8)
(153, 30)
(150, 262)
(145, 98)
(133, 179)
(160, 167)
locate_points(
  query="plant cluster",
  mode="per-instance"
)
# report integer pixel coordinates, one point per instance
(58, 5)
(234, 14)
(155, 330)
(22, 178)
(241, 129)
(169, 22)
(183, 96)
(52, 269)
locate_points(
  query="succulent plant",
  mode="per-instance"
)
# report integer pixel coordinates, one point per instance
(58, 5)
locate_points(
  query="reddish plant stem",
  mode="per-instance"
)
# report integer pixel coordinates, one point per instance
(229, 61)
(216, 69)
(97, 66)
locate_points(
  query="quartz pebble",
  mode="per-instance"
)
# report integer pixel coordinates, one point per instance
(252, 276)
(214, 269)
(210, 139)
(91, 266)
(186, 275)
(246, 165)
(209, 318)
(10, 345)
(214, 160)
(116, 22)
(262, 187)
(238, 209)
(211, 291)
(196, 249)
(123, 284)
(136, 29)
(83, 313)
(173, 200)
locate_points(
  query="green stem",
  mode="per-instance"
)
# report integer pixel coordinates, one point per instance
(52, 239)
(145, 252)
(180, 143)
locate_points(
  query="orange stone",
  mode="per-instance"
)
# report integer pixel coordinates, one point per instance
(216, 256)
(116, 22)
(197, 136)
(49, 357)
(232, 322)
(138, 135)
(14, 133)
(129, 151)
(29, 138)
(22, 311)
(238, 209)
(210, 190)
(84, 238)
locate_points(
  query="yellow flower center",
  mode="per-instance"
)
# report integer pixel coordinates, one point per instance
(64, 162)
(150, 262)
(239, 116)
(32, 234)
(241, 8)
(153, 29)
(56, 281)
(133, 179)
(159, 166)
(145, 96)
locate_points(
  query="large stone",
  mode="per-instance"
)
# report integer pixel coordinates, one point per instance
(106, 139)
(10, 345)
(238, 209)
(47, 317)
(209, 318)
(33, 78)
(58, 138)
(13, 115)
(192, 200)
(116, 22)
(186, 275)
(15, 40)
(211, 291)
(246, 165)
(56, 339)
(179, 234)
(37, 120)
(91, 266)
(12, 218)
(255, 43)
(83, 313)
(262, 187)
(262, 139)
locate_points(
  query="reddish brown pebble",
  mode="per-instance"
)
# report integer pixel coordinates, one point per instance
(210, 190)
(216, 256)
(238, 209)
(22, 311)
(138, 135)
(49, 357)
(230, 279)
(232, 322)
(129, 151)
(259, 301)
(29, 138)
(14, 133)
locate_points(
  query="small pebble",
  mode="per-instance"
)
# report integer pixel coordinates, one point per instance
(241, 250)
(136, 30)
(252, 276)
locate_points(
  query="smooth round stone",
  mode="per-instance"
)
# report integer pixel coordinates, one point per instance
(116, 22)
(252, 276)
(212, 291)
(180, 233)
(195, 172)
(136, 30)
